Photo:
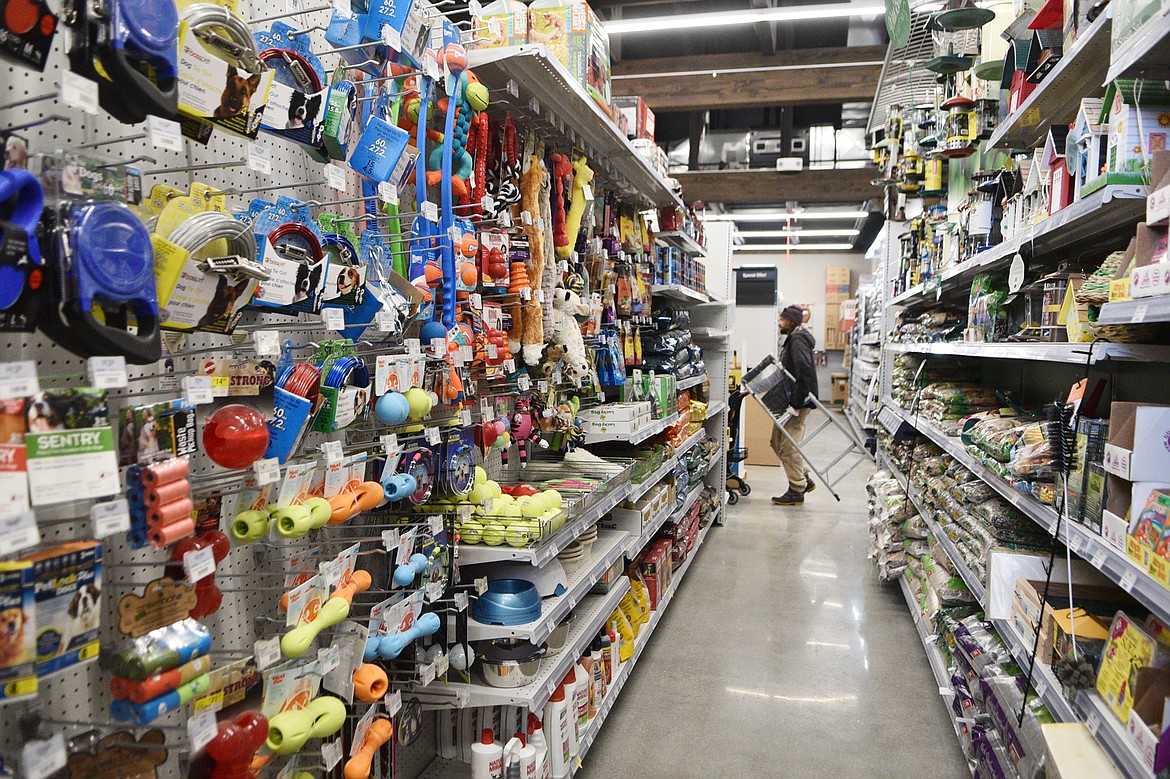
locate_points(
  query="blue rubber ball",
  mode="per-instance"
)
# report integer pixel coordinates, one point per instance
(431, 331)
(392, 408)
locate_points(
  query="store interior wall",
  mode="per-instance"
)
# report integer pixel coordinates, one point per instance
(801, 280)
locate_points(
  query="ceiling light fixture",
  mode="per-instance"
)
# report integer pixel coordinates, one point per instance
(782, 216)
(795, 247)
(733, 18)
(798, 233)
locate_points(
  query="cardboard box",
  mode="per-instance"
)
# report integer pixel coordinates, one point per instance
(1138, 448)
(576, 37)
(616, 412)
(1072, 752)
(838, 274)
(840, 382)
(640, 121)
(757, 435)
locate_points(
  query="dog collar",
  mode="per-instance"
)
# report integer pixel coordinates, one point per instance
(340, 249)
(419, 463)
(21, 202)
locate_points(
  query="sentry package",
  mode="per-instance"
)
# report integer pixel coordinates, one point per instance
(67, 585)
(18, 630)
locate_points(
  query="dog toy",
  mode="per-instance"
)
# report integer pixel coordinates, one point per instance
(567, 333)
(236, 744)
(207, 594)
(407, 573)
(235, 436)
(365, 497)
(297, 641)
(531, 185)
(392, 409)
(562, 175)
(370, 683)
(359, 766)
(390, 646)
(297, 521)
(289, 730)
(582, 178)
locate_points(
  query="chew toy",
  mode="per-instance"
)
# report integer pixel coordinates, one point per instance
(297, 641)
(236, 744)
(289, 730)
(359, 766)
(389, 647)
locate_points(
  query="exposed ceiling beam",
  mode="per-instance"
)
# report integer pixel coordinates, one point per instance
(765, 31)
(744, 187)
(723, 81)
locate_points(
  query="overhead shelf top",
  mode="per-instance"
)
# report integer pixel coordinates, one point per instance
(529, 80)
(681, 241)
(1147, 54)
(1080, 73)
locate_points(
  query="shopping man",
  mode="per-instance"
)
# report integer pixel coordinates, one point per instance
(797, 358)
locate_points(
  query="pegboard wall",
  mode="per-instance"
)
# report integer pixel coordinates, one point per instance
(77, 700)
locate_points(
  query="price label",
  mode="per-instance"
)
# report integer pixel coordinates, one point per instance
(509, 366)
(221, 386)
(267, 651)
(19, 379)
(461, 601)
(164, 133)
(18, 532)
(488, 204)
(442, 664)
(393, 703)
(259, 158)
(465, 417)
(198, 390)
(1093, 723)
(40, 759)
(391, 37)
(588, 193)
(389, 443)
(505, 219)
(513, 88)
(331, 753)
(430, 211)
(266, 343)
(534, 106)
(1139, 313)
(331, 571)
(385, 321)
(329, 659)
(107, 372)
(486, 412)
(542, 386)
(475, 8)
(476, 300)
(199, 564)
(334, 318)
(267, 471)
(110, 517)
(435, 522)
(432, 436)
(436, 35)
(390, 540)
(332, 451)
(525, 294)
(335, 177)
(433, 591)
(413, 345)
(481, 585)
(526, 218)
(388, 193)
(1128, 580)
(426, 674)
(464, 512)
(79, 92)
(201, 728)
(524, 382)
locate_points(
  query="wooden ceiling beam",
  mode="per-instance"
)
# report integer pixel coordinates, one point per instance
(754, 80)
(767, 187)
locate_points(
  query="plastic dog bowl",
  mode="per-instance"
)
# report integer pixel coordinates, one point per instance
(508, 602)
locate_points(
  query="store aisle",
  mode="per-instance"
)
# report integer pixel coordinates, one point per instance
(782, 656)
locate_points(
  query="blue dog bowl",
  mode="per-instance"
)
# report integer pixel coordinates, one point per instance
(508, 602)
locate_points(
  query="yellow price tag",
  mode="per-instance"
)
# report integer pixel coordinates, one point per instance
(213, 702)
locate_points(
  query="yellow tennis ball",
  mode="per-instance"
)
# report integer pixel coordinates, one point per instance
(480, 475)
(477, 495)
(494, 533)
(519, 534)
(471, 532)
(554, 498)
(532, 507)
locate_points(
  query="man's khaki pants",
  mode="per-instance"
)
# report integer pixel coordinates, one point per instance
(790, 458)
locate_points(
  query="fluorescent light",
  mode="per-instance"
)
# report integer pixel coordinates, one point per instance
(782, 216)
(796, 247)
(732, 18)
(798, 233)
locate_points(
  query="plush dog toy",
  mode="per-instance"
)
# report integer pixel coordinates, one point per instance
(532, 184)
(582, 177)
(567, 334)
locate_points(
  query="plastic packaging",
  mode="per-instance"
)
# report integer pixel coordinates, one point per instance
(558, 733)
(536, 739)
(487, 757)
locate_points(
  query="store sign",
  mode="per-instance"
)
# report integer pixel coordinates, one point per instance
(898, 22)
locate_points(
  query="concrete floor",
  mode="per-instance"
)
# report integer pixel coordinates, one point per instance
(782, 656)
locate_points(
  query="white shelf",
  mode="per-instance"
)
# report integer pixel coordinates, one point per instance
(1080, 73)
(535, 82)
(477, 554)
(1114, 209)
(1137, 311)
(677, 239)
(1085, 543)
(642, 640)
(1112, 735)
(693, 381)
(608, 548)
(636, 545)
(588, 618)
(1076, 354)
(1043, 681)
(637, 437)
(1146, 54)
(679, 292)
(640, 489)
(715, 409)
(710, 334)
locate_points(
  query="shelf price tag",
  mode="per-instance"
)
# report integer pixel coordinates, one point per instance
(393, 703)
(164, 133)
(41, 759)
(79, 92)
(524, 382)
(1128, 580)
(332, 451)
(107, 372)
(18, 532)
(391, 37)
(335, 177)
(385, 321)
(334, 318)
(198, 390)
(426, 674)
(465, 417)
(433, 436)
(266, 342)
(430, 211)
(1139, 313)
(202, 727)
(436, 524)
(329, 659)
(267, 652)
(259, 158)
(389, 443)
(267, 471)
(331, 753)
(199, 564)
(481, 585)
(110, 517)
(461, 601)
(19, 379)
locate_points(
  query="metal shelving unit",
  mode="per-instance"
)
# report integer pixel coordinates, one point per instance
(1136, 311)
(693, 381)
(1145, 55)
(1074, 353)
(677, 239)
(680, 293)
(664, 470)
(636, 545)
(1080, 73)
(638, 436)
(539, 86)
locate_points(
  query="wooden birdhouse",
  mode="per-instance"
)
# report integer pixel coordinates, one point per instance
(1137, 115)
(1059, 182)
(1034, 201)
(1086, 146)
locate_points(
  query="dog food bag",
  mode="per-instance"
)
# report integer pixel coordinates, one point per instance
(18, 630)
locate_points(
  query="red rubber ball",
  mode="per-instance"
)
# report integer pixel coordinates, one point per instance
(235, 436)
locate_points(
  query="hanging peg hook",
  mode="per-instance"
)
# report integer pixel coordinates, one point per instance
(111, 141)
(28, 101)
(39, 122)
(131, 161)
(193, 168)
(297, 33)
(287, 14)
(254, 190)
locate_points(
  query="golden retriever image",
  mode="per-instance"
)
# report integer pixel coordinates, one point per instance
(12, 647)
